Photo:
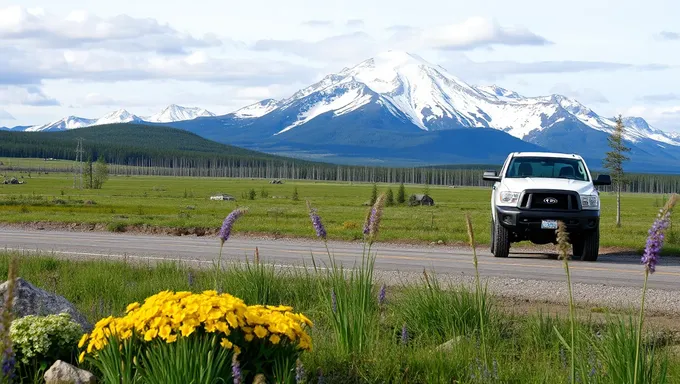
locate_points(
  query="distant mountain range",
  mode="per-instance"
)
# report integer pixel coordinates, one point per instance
(398, 109)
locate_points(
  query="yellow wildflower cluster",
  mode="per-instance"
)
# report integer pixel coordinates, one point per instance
(169, 315)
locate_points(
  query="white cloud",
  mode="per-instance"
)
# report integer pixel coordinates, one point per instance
(585, 96)
(82, 30)
(28, 95)
(4, 115)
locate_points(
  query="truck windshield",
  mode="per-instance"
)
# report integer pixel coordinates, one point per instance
(547, 167)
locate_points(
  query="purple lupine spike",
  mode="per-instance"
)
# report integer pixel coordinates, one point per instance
(404, 334)
(334, 301)
(299, 372)
(225, 231)
(655, 242)
(318, 225)
(381, 295)
(236, 369)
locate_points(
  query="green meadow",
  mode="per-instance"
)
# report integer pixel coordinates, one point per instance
(129, 202)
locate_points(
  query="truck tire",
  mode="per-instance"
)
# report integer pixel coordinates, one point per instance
(501, 241)
(587, 245)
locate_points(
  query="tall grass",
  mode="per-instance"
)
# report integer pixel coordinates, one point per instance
(435, 314)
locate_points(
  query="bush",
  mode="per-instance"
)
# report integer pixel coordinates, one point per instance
(175, 336)
(116, 227)
(39, 341)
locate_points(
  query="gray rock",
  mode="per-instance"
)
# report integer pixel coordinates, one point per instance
(449, 345)
(64, 373)
(30, 300)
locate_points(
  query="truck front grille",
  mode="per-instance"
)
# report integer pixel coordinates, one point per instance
(550, 200)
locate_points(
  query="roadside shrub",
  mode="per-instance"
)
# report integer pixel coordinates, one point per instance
(175, 338)
(39, 341)
(116, 227)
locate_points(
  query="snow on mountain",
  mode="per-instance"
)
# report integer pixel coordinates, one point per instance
(433, 99)
(69, 122)
(258, 109)
(175, 112)
(119, 116)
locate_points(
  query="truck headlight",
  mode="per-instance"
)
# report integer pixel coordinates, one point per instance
(590, 202)
(507, 197)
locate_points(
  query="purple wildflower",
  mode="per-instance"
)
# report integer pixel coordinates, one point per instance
(8, 363)
(316, 222)
(236, 369)
(225, 231)
(299, 372)
(404, 334)
(318, 225)
(334, 301)
(376, 215)
(655, 242)
(381, 295)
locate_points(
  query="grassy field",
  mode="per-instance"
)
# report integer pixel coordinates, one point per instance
(404, 345)
(173, 202)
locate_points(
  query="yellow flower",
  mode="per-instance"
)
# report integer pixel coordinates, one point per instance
(260, 331)
(249, 337)
(187, 329)
(150, 334)
(275, 339)
(82, 340)
(132, 307)
(165, 331)
(81, 358)
(226, 343)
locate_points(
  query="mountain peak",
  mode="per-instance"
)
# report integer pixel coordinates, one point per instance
(174, 112)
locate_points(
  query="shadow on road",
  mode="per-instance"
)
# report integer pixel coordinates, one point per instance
(605, 258)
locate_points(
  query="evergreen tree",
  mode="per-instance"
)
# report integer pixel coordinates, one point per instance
(401, 194)
(614, 162)
(374, 194)
(100, 173)
(389, 198)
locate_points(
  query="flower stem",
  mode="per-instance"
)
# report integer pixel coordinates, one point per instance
(572, 321)
(639, 335)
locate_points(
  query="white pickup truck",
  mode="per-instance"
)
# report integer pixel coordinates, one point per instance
(535, 190)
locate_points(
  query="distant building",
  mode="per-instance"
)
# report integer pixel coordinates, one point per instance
(222, 197)
(420, 199)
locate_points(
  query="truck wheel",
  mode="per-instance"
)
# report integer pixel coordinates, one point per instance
(501, 241)
(587, 245)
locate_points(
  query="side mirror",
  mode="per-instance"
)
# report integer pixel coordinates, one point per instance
(603, 180)
(491, 176)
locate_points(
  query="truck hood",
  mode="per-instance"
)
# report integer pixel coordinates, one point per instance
(520, 184)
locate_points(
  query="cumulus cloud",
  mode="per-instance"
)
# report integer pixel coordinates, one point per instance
(660, 98)
(83, 30)
(470, 34)
(478, 32)
(100, 65)
(318, 23)
(29, 95)
(584, 96)
(668, 35)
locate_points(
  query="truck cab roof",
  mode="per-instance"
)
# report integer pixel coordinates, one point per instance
(546, 154)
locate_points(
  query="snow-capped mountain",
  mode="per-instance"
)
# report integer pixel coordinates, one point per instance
(387, 105)
(169, 114)
(175, 112)
(69, 122)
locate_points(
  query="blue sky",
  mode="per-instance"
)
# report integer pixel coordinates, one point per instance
(87, 58)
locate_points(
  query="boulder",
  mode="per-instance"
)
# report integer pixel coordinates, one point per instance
(64, 373)
(30, 300)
